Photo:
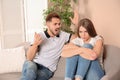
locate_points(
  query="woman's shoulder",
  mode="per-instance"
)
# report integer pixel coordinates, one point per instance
(77, 41)
(98, 37)
(95, 39)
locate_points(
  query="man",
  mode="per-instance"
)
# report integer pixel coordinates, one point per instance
(40, 65)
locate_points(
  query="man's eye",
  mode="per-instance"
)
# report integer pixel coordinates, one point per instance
(59, 24)
(80, 31)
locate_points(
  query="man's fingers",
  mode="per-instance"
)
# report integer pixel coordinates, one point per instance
(71, 19)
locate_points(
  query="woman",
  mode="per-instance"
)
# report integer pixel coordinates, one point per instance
(84, 54)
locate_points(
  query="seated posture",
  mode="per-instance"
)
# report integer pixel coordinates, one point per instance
(40, 65)
(84, 54)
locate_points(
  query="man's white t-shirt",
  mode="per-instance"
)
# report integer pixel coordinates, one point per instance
(50, 49)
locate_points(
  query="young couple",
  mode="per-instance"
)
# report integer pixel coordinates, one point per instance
(82, 52)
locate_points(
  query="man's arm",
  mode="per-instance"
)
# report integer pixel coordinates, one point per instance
(34, 48)
(69, 49)
(75, 19)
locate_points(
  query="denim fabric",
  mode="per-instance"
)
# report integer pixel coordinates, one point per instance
(77, 66)
(33, 71)
(95, 71)
(71, 64)
(82, 67)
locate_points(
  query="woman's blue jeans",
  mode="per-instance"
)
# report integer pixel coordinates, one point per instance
(78, 67)
(34, 71)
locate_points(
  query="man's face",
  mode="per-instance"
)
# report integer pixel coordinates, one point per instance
(54, 26)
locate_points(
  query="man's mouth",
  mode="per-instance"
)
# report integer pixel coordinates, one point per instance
(57, 29)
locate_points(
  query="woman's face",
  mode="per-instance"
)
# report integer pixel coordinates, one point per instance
(83, 33)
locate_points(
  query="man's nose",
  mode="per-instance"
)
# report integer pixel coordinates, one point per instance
(58, 26)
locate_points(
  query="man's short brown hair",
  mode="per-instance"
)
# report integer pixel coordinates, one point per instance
(52, 15)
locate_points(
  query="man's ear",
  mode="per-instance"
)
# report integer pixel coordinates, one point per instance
(47, 23)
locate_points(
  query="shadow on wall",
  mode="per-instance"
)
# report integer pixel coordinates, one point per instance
(84, 10)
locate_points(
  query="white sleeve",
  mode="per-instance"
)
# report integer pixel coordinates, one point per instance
(67, 36)
(76, 41)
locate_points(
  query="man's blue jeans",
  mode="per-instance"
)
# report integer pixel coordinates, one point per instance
(34, 71)
(84, 69)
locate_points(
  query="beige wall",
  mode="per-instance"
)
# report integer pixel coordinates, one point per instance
(104, 13)
(106, 17)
